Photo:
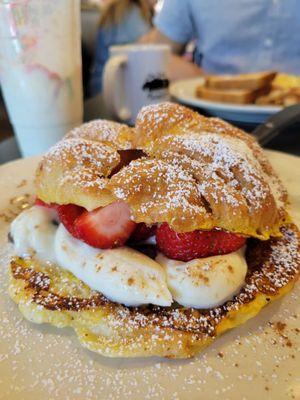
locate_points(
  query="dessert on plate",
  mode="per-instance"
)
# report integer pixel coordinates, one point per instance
(156, 239)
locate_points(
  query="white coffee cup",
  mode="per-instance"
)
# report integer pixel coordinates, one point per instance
(134, 76)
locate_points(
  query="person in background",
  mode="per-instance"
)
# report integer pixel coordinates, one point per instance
(232, 36)
(121, 22)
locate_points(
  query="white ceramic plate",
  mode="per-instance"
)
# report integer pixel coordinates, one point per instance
(41, 362)
(184, 92)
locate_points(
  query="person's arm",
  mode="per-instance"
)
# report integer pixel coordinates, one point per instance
(174, 26)
(179, 68)
(155, 36)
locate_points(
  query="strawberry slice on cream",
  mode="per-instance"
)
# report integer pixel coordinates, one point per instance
(196, 244)
(103, 228)
(106, 227)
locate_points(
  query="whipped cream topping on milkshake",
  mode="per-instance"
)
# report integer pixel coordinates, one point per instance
(40, 69)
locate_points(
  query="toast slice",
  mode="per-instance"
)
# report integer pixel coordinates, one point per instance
(251, 81)
(235, 96)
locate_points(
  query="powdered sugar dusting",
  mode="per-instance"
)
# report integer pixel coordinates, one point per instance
(227, 154)
(82, 163)
(154, 118)
(118, 134)
(155, 186)
(216, 181)
(230, 156)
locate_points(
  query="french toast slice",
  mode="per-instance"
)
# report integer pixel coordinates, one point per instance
(248, 81)
(49, 294)
(232, 96)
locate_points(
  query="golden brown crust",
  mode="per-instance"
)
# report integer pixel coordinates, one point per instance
(154, 121)
(101, 130)
(197, 173)
(76, 171)
(229, 181)
(157, 191)
(51, 294)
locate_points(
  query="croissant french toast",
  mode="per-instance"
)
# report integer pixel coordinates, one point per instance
(153, 240)
(218, 173)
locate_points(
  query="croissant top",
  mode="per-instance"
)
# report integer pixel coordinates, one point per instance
(175, 166)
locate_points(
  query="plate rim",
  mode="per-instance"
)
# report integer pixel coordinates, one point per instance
(113, 376)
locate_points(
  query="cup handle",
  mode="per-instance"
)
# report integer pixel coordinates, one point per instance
(113, 88)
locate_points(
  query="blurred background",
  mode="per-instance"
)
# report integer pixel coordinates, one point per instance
(128, 23)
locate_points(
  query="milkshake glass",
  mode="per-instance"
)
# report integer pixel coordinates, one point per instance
(40, 69)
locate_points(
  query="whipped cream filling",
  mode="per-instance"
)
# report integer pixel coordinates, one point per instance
(122, 274)
(205, 282)
(33, 232)
(125, 275)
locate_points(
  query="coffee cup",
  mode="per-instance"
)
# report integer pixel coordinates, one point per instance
(134, 76)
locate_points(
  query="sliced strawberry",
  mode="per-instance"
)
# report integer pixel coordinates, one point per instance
(106, 227)
(67, 215)
(225, 242)
(142, 232)
(196, 244)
